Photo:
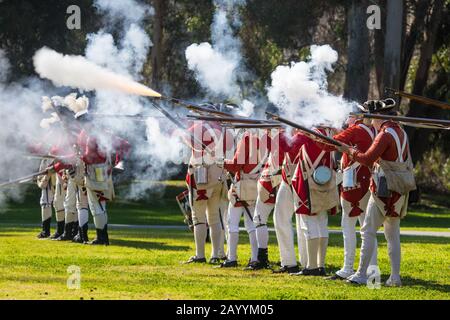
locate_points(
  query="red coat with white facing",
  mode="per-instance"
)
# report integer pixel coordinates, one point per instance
(357, 135)
(246, 159)
(209, 134)
(383, 147)
(290, 147)
(272, 166)
(299, 185)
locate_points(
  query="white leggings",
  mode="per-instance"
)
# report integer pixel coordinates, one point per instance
(373, 221)
(283, 212)
(348, 225)
(234, 217)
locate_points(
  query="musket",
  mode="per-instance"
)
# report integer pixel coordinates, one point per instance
(253, 126)
(311, 133)
(24, 179)
(137, 117)
(439, 123)
(233, 120)
(40, 156)
(414, 97)
(195, 107)
(181, 126)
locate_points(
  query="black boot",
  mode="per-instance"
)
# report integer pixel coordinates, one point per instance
(59, 230)
(68, 232)
(75, 229)
(77, 238)
(263, 260)
(102, 237)
(84, 233)
(45, 233)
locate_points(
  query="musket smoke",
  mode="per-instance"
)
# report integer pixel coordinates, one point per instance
(299, 90)
(218, 67)
(78, 72)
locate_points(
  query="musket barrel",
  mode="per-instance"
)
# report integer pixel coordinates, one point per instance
(425, 100)
(310, 132)
(407, 119)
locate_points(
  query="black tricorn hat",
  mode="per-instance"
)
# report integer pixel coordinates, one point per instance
(380, 106)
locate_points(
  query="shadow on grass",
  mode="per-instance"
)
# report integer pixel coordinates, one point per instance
(414, 282)
(147, 245)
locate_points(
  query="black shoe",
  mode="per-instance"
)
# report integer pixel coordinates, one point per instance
(194, 259)
(59, 230)
(214, 261)
(102, 237)
(336, 277)
(322, 272)
(68, 232)
(253, 266)
(45, 233)
(229, 264)
(78, 237)
(75, 229)
(309, 272)
(84, 233)
(289, 270)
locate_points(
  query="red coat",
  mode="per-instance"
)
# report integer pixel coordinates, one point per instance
(208, 133)
(299, 185)
(273, 164)
(90, 150)
(247, 158)
(356, 136)
(291, 146)
(383, 147)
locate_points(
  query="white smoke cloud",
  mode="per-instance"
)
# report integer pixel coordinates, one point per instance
(300, 90)
(218, 67)
(78, 72)
(213, 70)
(20, 115)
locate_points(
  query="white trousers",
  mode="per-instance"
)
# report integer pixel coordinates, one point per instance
(283, 212)
(314, 227)
(207, 211)
(234, 218)
(47, 196)
(373, 221)
(98, 209)
(262, 212)
(76, 204)
(348, 225)
(58, 201)
(223, 215)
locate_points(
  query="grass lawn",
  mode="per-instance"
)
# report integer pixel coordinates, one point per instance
(145, 264)
(433, 214)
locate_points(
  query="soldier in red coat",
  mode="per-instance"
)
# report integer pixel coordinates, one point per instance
(205, 183)
(284, 206)
(315, 196)
(385, 207)
(246, 167)
(354, 191)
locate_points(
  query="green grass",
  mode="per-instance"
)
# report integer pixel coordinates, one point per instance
(160, 208)
(145, 264)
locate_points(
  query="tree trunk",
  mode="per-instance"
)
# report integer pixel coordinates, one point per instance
(419, 138)
(413, 36)
(393, 44)
(160, 7)
(378, 51)
(358, 68)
